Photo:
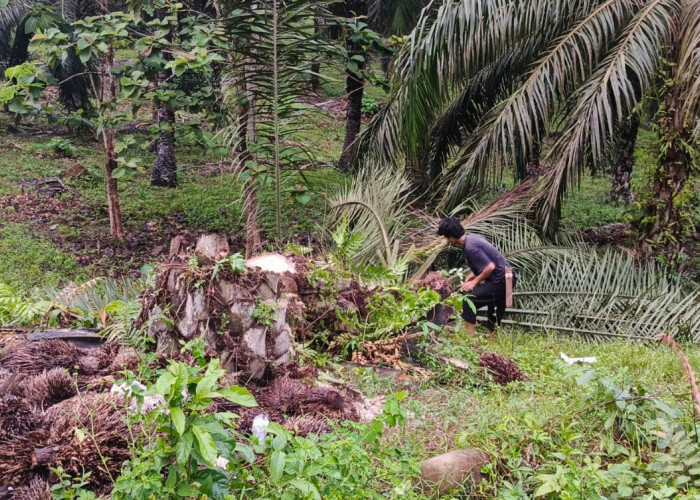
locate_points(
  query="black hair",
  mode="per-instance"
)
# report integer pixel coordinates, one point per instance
(451, 228)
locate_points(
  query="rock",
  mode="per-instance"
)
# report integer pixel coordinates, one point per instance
(288, 284)
(211, 248)
(166, 344)
(76, 170)
(256, 368)
(229, 292)
(177, 246)
(157, 326)
(450, 470)
(265, 292)
(283, 343)
(280, 314)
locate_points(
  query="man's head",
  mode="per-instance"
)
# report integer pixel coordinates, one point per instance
(451, 229)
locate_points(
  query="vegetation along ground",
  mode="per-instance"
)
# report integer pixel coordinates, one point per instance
(154, 153)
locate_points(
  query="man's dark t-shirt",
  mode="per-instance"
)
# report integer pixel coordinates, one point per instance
(479, 253)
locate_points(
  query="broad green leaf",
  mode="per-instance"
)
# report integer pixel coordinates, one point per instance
(164, 383)
(119, 172)
(625, 491)
(205, 444)
(187, 490)
(277, 463)
(238, 395)
(246, 452)
(546, 488)
(178, 419)
(306, 488)
(184, 447)
(586, 377)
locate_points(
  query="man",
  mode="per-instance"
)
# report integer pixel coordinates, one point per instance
(487, 283)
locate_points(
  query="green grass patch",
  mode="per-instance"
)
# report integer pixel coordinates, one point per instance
(333, 85)
(588, 205)
(593, 424)
(27, 262)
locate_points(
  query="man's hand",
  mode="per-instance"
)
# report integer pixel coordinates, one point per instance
(469, 285)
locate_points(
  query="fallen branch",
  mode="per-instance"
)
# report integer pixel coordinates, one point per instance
(667, 339)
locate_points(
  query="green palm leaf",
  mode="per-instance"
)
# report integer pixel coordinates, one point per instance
(607, 98)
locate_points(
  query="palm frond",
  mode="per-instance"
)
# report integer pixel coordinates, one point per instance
(374, 205)
(601, 294)
(10, 18)
(689, 65)
(394, 17)
(519, 117)
(449, 48)
(606, 98)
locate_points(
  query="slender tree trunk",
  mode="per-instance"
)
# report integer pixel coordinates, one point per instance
(669, 218)
(116, 228)
(354, 86)
(165, 168)
(314, 82)
(620, 191)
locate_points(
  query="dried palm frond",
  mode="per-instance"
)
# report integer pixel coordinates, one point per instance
(48, 388)
(37, 357)
(83, 431)
(303, 425)
(37, 489)
(16, 457)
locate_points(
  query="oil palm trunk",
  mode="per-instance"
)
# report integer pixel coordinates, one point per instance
(354, 86)
(620, 190)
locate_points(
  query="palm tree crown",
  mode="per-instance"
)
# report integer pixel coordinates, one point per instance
(482, 82)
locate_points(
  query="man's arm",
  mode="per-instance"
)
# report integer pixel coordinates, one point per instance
(471, 281)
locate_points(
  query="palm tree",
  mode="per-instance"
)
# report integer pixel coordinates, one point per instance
(481, 82)
(385, 17)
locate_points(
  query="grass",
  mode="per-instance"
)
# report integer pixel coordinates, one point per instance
(555, 419)
(588, 206)
(333, 85)
(27, 262)
(207, 199)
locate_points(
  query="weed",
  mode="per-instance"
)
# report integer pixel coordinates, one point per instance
(61, 147)
(264, 313)
(370, 106)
